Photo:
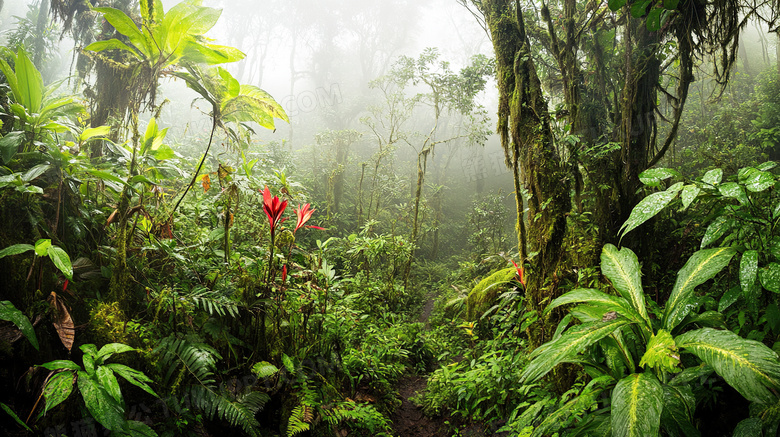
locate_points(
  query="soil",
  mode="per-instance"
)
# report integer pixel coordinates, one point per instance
(408, 420)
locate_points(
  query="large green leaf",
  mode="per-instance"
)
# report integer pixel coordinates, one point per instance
(689, 194)
(61, 260)
(637, 402)
(701, 266)
(677, 415)
(747, 365)
(649, 207)
(30, 83)
(716, 229)
(622, 268)
(662, 353)
(110, 349)
(568, 346)
(588, 295)
(58, 388)
(107, 379)
(750, 427)
(654, 176)
(135, 377)
(16, 249)
(713, 177)
(733, 190)
(16, 418)
(9, 312)
(748, 270)
(112, 44)
(9, 145)
(770, 277)
(127, 27)
(101, 405)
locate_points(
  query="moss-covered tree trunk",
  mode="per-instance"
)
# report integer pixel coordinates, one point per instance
(526, 136)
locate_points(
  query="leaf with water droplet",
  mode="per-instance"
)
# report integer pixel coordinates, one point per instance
(770, 277)
(729, 297)
(649, 207)
(734, 190)
(760, 181)
(716, 229)
(653, 177)
(713, 177)
(766, 166)
(748, 270)
(689, 194)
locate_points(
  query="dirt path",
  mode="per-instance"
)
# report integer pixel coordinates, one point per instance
(408, 420)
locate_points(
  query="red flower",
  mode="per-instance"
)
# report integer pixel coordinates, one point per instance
(520, 276)
(304, 214)
(284, 274)
(273, 207)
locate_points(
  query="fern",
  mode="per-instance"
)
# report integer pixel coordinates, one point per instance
(297, 423)
(188, 357)
(213, 302)
(240, 411)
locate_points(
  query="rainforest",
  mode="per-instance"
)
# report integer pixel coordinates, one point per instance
(537, 218)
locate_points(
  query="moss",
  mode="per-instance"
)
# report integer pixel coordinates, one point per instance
(484, 294)
(107, 324)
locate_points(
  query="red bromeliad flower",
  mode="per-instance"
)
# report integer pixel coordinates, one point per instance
(519, 273)
(273, 207)
(304, 214)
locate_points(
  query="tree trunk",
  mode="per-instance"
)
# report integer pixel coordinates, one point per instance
(526, 136)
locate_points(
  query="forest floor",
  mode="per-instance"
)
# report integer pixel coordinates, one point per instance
(408, 419)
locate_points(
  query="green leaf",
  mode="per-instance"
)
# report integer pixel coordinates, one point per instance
(770, 277)
(30, 83)
(637, 401)
(671, 4)
(100, 131)
(34, 172)
(127, 27)
(747, 365)
(654, 19)
(101, 405)
(748, 270)
(9, 312)
(729, 297)
(61, 260)
(42, 247)
(58, 388)
(264, 369)
(568, 346)
(649, 207)
(750, 427)
(587, 295)
(9, 145)
(16, 249)
(759, 181)
(622, 268)
(135, 377)
(733, 190)
(61, 364)
(639, 8)
(11, 413)
(106, 176)
(677, 415)
(614, 5)
(716, 229)
(662, 353)
(701, 266)
(689, 194)
(106, 351)
(713, 177)
(654, 176)
(766, 166)
(107, 379)
(288, 364)
(111, 44)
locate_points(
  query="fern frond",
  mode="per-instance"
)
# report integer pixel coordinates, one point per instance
(193, 358)
(213, 301)
(297, 422)
(240, 411)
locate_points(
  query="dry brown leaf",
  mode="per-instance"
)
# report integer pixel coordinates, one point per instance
(62, 322)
